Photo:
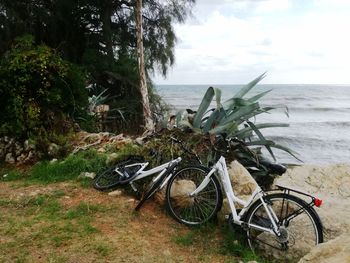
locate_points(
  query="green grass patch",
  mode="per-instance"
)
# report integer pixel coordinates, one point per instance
(102, 248)
(82, 210)
(10, 174)
(234, 243)
(186, 239)
(68, 169)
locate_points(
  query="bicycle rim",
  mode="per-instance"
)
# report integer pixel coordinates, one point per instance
(107, 179)
(197, 209)
(300, 228)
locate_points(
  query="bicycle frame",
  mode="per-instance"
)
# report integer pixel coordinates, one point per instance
(161, 169)
(224, 177)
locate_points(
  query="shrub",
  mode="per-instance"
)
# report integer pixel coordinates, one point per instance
(38, 90)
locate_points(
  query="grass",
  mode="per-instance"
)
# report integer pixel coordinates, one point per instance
(68, 169)
(60, 233)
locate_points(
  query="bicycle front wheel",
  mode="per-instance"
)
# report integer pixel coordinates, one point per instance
(193, 210)
(300, 227)
(109, 178)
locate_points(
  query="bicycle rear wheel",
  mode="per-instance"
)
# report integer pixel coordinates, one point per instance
(193, 210)
(300, 227)
(109, 178)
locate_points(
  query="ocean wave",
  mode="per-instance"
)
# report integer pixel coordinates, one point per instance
(318, 109)
(311, 142)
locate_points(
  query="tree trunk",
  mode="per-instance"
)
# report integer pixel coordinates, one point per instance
(106, 14)
(149, 125)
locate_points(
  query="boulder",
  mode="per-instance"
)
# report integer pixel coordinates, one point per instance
(335, 251)
(329, 183)
(9, 158)
(180, 191)
(243, 185)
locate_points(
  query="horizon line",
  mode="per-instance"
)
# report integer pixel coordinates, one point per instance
(318, 84)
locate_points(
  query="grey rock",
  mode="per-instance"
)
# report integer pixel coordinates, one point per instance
(28, 146)
(30, 157)
(9, 158)
(21, 158)
(139, 140)
(87, 175)
(18, 149)
(54, 160)
(53, 149)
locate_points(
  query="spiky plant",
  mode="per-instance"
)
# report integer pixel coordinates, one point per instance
(233, 119)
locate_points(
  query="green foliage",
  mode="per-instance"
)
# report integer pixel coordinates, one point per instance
(231, 119)
(233, 244)
(101, 37)
(38, 90)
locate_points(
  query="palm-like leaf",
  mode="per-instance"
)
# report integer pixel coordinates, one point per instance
(203, 107)
(228, 118)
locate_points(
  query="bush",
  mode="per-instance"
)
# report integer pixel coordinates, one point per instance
(38, 90)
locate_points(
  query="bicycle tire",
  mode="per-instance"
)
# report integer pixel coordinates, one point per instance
(108, 178)
(298, 234)
(195, 210)
(153, 186)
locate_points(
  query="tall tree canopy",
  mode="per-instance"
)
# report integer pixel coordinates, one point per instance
(101, 36)
(105, 27)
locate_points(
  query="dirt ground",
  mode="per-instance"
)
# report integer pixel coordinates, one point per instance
(68, 223)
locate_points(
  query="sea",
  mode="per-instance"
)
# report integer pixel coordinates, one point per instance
(318, 117)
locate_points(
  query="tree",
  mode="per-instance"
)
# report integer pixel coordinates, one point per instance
(101, 37)
(149, 125)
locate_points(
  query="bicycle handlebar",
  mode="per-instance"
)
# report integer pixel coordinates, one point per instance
(185, 148)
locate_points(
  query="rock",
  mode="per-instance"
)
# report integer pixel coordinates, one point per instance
(9, 158)
(115, 193)
(18, 149)
(139, 140)
(329, 183)
(101, 150)
(28, 146)
(87, 175)
(54, 160)
(30, 157)
(112, 158)
(53, 149)
(182, 189)
(335, 251)
(21, 158)
(120, 144)
(243, 185)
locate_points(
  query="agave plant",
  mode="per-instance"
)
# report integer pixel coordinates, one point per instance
(233, 118)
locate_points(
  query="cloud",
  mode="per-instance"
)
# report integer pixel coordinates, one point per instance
(297, 45)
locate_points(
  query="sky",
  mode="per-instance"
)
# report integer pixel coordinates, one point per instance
(234, 41)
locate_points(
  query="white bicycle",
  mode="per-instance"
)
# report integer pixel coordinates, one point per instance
(133, 169)
(278, 220)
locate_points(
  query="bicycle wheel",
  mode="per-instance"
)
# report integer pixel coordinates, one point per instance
(198, 209)
(109, 178)
(300, 227)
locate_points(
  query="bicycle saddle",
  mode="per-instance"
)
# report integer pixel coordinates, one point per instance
(274, 168)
